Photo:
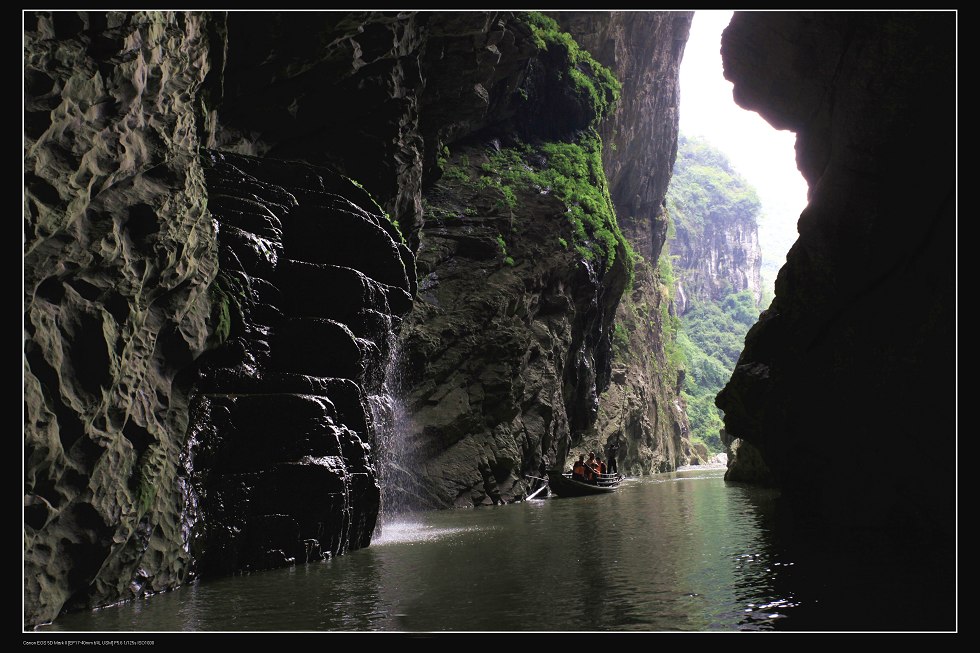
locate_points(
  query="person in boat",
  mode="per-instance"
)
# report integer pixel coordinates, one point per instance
(613, 451)
(592, 469)
(579, 469)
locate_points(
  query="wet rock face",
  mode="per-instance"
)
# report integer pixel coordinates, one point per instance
(144, 468)
(640, 411)
(858, 345)
(280, 452)
(499, 357)
(119, 251)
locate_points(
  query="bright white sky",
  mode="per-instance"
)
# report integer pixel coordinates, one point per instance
(764, 156)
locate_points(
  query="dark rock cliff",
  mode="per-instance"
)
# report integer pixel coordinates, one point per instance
(508, 349)
(501, 356)
(640, 411)
(337, 88)
(281, 449)
(379, 96)
(374, 94)
(508, 364)
(857, 350)
(144, 468)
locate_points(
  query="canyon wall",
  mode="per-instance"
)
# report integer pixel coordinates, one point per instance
(222, 213)
(640, 413)
(858, 348)
(119, 252)
(221, 224)
(716, 235)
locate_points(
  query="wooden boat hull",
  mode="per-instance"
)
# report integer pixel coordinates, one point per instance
(564, 486)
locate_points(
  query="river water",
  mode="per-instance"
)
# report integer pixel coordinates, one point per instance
(674, 552)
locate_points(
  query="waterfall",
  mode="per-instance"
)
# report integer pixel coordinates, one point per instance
(392, 456)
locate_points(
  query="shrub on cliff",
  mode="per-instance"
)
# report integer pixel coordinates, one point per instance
(587, 75)
(564, 89)
(572, 172)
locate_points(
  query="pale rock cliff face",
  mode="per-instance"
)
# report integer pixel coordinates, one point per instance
(724, 257)
(715, 240)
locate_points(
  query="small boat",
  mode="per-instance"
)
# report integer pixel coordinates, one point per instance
(562, 484)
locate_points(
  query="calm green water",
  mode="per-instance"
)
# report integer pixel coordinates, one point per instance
(673, 552)
(682, 551)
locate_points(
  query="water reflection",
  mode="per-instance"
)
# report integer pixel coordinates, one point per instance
(675, 552)
(398, 532)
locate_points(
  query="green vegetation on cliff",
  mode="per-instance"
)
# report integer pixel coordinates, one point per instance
(705, 194)
(573, 173)
(711, 338)
(705, 188)
(587, 75)
(569, 167)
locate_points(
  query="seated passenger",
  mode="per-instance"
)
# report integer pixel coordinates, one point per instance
(592, 469)
(579, 469)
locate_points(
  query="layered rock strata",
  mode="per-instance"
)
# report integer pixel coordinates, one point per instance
(144, 468)
(281, 449)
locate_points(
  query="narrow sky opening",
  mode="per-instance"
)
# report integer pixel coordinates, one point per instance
(764, 156)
